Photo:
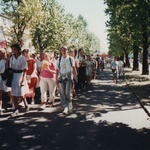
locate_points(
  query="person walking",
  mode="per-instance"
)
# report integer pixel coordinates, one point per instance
(120, 68)
(72, 53)
(31, 74)
(114, 67)
(47, 80)
(82, 69)
(2, 69)
(19, 84)
(65, 68)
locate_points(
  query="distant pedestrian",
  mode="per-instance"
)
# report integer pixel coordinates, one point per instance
(2, 69)
(114, 67)
(89, 69)
(120, 68)
(82, 78)
(72, 53)
(101, 65)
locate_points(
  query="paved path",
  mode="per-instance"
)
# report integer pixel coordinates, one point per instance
(106, 116)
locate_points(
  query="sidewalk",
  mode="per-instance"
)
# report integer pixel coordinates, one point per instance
(106, 116)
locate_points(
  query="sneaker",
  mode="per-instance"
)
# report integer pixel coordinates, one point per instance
(15, 113)
(27, 108)
(32, 102)
(66, 110)
(51, 104)
(21, 104)
(70, 106)
(43, 106)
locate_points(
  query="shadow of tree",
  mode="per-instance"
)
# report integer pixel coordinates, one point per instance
(51, 129)
(55, 131)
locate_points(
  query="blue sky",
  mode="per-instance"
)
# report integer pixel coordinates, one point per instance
(93, 12)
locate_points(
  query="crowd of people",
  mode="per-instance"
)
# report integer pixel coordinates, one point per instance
(21, 72)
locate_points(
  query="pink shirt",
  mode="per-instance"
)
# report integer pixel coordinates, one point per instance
(45, 73)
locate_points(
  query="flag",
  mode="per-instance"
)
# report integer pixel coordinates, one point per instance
(3, 42)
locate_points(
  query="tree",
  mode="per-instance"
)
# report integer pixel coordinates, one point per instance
(50, 34)
(135, 17)
(23, 14)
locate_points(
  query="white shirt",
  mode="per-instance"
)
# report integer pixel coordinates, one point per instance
(65, 65)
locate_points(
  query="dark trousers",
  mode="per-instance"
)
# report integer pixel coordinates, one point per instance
(81, 77)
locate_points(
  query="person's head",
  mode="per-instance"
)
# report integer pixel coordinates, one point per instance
(88, 57)
(81, 51)
(47, 56)
(41, 56)
(26, 53)
(51, 54)
(115, 58)
(72, 53)
(16, 49)
(64, 51)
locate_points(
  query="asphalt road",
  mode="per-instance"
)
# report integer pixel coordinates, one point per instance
(106, 116)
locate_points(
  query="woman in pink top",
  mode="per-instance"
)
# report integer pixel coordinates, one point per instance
(47, 81)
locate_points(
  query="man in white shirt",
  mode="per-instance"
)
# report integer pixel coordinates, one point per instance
(65, 67)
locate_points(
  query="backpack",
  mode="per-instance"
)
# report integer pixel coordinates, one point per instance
(60, 60)
(83, 56)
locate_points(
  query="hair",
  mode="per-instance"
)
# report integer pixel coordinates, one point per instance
(47, 54)
(65, 47)
(17, 46)
(26, 50)
(80, 49)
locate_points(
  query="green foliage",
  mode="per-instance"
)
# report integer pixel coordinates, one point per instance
(24, 14)
(46, 23)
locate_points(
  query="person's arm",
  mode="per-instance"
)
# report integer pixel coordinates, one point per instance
(75, 73)
(56, 77)
(23, 78)
(34, 68)
(2, 69)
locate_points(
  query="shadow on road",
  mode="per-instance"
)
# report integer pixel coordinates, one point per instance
(52, 130)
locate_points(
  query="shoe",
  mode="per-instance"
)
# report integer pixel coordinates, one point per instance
(51, 104)
(9, 103)
(32, 102)
(70, 107)
(15, 113)
(27, 108)
(66, 110)
(21, 104)
(43, 106)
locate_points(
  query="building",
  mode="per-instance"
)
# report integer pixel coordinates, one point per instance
(5, 24)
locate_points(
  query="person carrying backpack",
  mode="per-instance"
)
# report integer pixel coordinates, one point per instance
(65, 68)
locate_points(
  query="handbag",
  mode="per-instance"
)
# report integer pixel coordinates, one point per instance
(7, 75)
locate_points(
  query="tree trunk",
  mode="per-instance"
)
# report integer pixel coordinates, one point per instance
(127, 60)
(135, 58)
(122, 57)
(145, 68)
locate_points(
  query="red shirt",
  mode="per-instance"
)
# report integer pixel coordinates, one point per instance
(30, 64)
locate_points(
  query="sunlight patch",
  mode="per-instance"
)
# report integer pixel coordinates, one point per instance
(28, 137)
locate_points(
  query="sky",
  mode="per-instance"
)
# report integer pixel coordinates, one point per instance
(93, 13)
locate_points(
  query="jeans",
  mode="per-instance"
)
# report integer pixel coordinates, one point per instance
(65, 87)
